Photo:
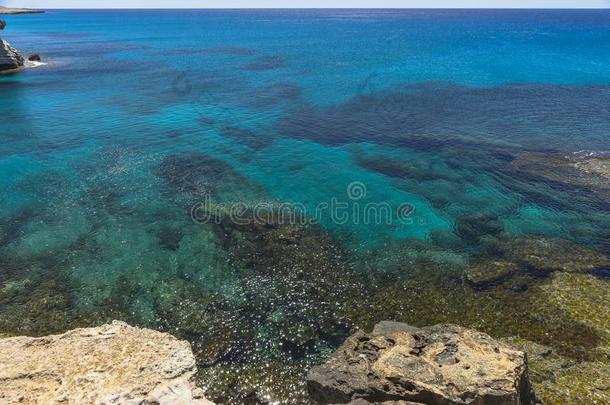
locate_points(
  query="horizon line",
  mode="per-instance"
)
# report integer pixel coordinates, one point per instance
(313, 8)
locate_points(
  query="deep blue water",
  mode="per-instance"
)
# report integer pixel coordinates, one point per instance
(140, 115)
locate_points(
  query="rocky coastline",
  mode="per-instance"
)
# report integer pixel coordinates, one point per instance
(10, 58)
(395, 363)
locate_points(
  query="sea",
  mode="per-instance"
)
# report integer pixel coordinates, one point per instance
(263, 183)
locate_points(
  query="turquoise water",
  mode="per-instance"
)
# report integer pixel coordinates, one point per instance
(141, 115)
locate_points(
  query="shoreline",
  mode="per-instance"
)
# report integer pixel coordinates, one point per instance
(13, 11)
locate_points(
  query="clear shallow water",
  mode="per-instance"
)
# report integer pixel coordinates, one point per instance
(141, 115)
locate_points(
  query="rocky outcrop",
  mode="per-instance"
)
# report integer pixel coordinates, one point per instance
(111, 364)
(442, 364)
(9, 57)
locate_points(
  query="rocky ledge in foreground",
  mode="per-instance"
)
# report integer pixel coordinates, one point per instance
(111, 364)
(442, 364)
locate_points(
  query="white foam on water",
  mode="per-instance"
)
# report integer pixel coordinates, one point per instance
(33, 64)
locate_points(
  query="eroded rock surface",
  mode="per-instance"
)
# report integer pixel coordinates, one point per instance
(442, 364)
(9, 57)
(111, 364)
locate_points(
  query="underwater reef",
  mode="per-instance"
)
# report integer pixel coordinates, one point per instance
(264, 301)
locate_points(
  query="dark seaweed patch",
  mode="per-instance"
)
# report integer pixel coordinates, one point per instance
(194, 173)
(169, 238)
(206, 121)
(226, 50)
(399, 169)
(274, 94)
(266, 63)
(246, 137)
(474, 226)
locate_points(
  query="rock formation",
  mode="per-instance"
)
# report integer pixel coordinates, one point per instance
(9, 57)
(442, 364)
(111, 364)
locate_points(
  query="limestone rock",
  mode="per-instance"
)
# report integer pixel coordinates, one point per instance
(9, 57)
(111, 364)
(2, 25)
(442, 364)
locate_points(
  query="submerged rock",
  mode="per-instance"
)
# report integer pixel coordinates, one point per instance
(111, 364)
(577, 170)
(546, 255)
(560, 380)
(595, 165)
(9, 57)
(583, 297)
(442, 364)
(34, 58)
(473, 227)
(490, 272)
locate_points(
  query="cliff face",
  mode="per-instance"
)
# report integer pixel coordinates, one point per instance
(9, 57)
(112, 364)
